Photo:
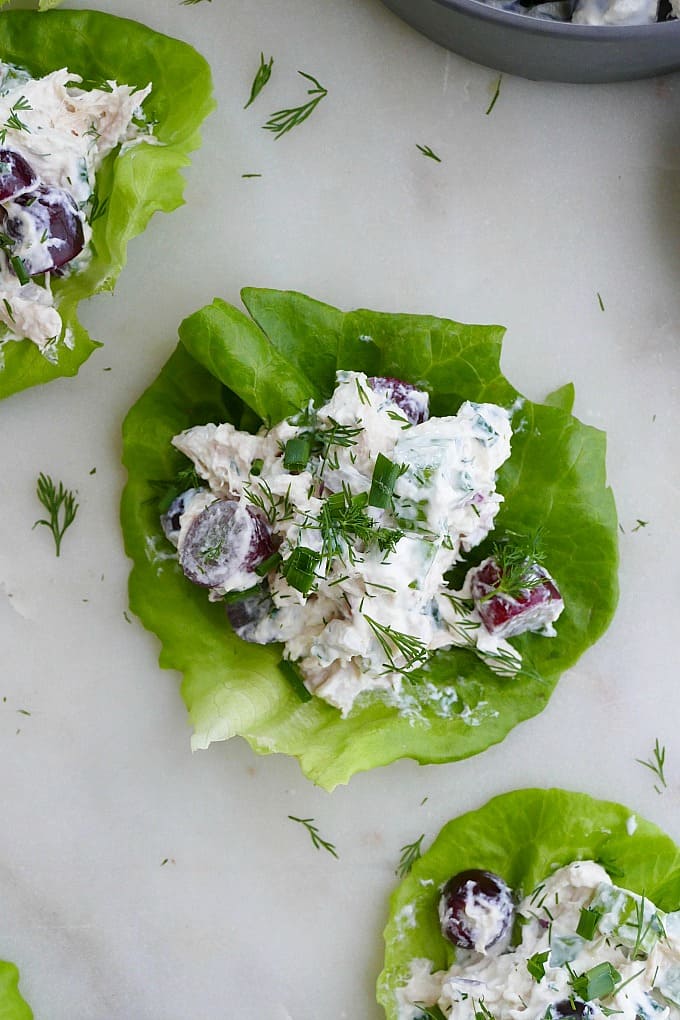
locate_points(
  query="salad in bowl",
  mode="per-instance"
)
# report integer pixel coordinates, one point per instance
(355, 538)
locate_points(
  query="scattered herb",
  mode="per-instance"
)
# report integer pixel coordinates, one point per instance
(517, 558)
(536, 965)
(497, 92)
(600, 301)
(411, 648)
(61, 505)
(427, 151)
(430, 1012)
(285, 120)
(313, 831)
(8, 309)
(588, 922)
(409, 855)
(295, 679)
(643, 929)
(20, 270)
(251, 175)
(639, 524)
(264, 73)
(126, 617)
(190, 3)
(23, 711)
(656, 764)
(597, 983)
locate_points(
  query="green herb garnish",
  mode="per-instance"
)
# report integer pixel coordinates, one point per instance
(588, 922)
(295, 679)
(313, 831)
(385, 476)
(409, 855)
(285, 120)
(600, 301)
(497, 92)
(297, 452)
(271, 563)
(300, 568)
(517, 558)
(264, 73)
(536, 965)
(656, 764)
(394, 642)
(20, 269)
(61, 505)
(427, 151)
(597, 983)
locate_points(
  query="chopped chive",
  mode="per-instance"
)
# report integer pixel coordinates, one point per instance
(20, 269)
(536, 965)
(587, 922)
(596, 983)
(385, 475)
(297, 453)
(271, 563)
(294, 678)
(256, 466)
(300, 568)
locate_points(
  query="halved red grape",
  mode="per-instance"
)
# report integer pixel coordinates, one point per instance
(224, 544)
(475, 909)
(245, 614)
(414, 403)
(170, 520)
(55, 233)
(533, 608)
(16, 174)
(569, 1009)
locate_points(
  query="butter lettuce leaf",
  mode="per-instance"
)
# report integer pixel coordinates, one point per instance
(523, 837)
(12, 1005)
(229, 367)
(145, 179)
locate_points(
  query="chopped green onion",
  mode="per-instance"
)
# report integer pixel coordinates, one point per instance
(20, 269)
(385, 475)
(596, 983)
(271, 563)
(256, 466)
(294, 678)
(300, 568)
(297, 453)
(536, 965)
(587, 922)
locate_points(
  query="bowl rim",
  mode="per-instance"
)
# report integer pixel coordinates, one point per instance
(606, 33)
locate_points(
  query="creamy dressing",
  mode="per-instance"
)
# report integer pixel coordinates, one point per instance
(376, 609)
(64, 133)
(554, 964)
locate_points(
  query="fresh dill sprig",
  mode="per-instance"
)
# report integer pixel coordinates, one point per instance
(643, 929)
(409, 855)
(97, 208)
(275, 508)
(317, 840)
(497, 92)
(427, 151)
(61, 505)
(656, 764)
(392, 642)
(517, 558)
(285, 120)
(343, 517)
(264, 73)
(14, 121)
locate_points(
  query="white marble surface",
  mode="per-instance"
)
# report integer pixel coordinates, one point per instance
(562, 192)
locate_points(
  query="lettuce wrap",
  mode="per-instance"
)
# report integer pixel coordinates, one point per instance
(146, 178)
(523, 837)
(230, 367)
(12, 1006)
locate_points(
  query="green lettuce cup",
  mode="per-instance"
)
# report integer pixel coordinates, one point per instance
(12, 1005)
(244, 369)
(132, 186)
(523, 837)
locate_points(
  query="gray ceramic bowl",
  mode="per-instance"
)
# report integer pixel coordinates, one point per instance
(544, 50)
